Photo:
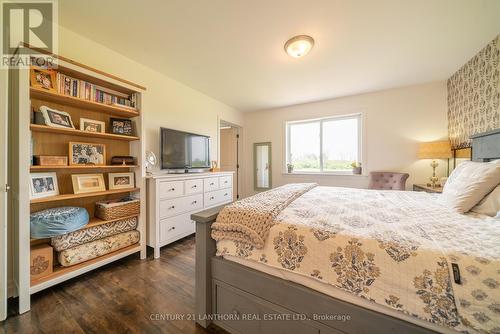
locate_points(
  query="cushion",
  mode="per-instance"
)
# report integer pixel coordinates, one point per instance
(93, 233)
(97, 248)
(490, 205)
(469, 183)
(56, 221)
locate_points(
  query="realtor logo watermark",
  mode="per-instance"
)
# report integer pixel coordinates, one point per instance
(29, 33)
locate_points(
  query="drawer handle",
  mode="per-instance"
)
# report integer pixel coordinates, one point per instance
(171, 189)
(225, 194)
(225, 181)
(194, 186)
(172, 207)
(212, 197)
(194, 202)
(172, 228)
(212, 184)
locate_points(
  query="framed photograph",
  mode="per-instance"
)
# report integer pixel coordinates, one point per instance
(87, 183)
(121, 180)
(121, 126)
(44, 79)
(91, 125)
(43, 185)
(56, 118)
(87, 154)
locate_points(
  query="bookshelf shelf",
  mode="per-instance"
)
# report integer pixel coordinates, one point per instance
(66, 197)
(79, 133)
(81, 103)
(61, 274)
(89, 167)
(96, 221)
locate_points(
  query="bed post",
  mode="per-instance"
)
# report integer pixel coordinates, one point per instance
(205, 250)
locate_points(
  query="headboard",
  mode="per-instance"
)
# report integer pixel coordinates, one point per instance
(486, 146)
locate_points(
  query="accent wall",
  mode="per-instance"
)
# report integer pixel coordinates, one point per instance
(474, 96)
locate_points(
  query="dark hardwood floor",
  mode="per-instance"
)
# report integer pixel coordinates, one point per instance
(122, 297)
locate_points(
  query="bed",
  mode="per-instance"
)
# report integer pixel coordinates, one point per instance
(335, 262)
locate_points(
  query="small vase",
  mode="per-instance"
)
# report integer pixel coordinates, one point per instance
(356, 170)
(290, 169)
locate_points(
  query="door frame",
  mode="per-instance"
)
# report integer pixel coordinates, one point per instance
(239, 150)
(4, 242)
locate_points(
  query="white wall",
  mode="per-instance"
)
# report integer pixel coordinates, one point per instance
(395, 121)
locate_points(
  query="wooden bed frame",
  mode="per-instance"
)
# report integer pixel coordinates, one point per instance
(243, 300)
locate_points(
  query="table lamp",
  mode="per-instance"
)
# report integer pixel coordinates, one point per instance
(434, 150)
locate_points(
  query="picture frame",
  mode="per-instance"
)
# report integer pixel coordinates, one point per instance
(87, 154)
(43, 79)
(121, 180)
(56, 118)
(121, 126)
(91, 125)
(87, 183)
(43, 185)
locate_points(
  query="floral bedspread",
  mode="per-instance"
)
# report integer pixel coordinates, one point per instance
(393, 248)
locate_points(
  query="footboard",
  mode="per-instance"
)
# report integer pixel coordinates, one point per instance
(205, 250)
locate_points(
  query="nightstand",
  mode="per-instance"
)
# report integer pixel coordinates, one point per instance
(428, 189)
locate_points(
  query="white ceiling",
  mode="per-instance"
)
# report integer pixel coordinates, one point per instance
(232, 50)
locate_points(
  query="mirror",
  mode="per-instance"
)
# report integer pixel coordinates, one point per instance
(262, 166)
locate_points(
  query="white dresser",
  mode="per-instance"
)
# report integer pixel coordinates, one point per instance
(172, 198)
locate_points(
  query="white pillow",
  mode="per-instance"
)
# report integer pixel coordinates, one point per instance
(469, 183)
(490, 205)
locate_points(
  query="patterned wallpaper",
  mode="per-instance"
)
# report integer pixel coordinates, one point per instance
(474, 96)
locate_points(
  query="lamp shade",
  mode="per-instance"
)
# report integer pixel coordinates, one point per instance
(435, 150)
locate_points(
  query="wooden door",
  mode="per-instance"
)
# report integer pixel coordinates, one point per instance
(229, 155)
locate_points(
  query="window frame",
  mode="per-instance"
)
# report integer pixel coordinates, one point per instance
(359, 116)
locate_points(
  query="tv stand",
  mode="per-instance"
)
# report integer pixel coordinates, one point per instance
(186, 171)
(196, 170)
(176, 171)
(172, 198)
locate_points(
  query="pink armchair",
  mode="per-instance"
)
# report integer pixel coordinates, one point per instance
(388, 180)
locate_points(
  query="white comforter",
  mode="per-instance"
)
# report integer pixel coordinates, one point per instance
(393, 248)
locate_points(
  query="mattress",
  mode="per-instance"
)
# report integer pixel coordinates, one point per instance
(90, 234)
(390, 248)
(94, 249)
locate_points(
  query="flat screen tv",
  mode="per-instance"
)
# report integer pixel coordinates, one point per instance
(184, 150)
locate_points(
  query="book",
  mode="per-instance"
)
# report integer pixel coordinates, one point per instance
(85, 90)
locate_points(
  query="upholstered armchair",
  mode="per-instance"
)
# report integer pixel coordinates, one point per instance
(388, 180)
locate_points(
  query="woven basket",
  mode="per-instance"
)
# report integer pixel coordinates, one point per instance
(115, 209)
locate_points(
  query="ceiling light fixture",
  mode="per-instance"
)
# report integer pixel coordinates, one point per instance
(299, 46)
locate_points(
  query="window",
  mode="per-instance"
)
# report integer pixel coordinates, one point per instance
(326, 145)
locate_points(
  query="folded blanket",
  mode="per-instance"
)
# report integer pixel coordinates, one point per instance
(94, 249)
(87, 235)
(250, 219)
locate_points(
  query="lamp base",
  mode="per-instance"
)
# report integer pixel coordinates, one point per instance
(434, 179)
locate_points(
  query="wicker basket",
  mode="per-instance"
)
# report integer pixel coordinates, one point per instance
(110, 210)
